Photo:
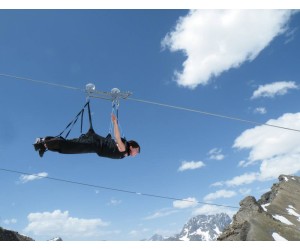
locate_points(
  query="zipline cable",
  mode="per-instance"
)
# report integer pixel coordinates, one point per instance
(39, 81)
(113, 189)
(156, 103)
(210, 114)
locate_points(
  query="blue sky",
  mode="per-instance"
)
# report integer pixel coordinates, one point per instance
(234, 63)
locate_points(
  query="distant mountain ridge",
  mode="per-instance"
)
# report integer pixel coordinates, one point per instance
(199, 228)
(8, 235)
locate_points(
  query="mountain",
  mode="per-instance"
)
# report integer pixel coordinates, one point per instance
(157, 237)
(204, 227)
(8, 235)
(200, 228)
(275, 216)
(56, 239)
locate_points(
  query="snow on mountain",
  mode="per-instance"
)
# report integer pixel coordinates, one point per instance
(200, 228)
(275, 216)
(204, 227)
(56, 239)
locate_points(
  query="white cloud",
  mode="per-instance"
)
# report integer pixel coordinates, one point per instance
(273, 89)
(161, 213)
(134, 232)
(211, 210)
(190, 165)
(284, 164)
(49, 224)
(277, 150)
(266, 142)
(114, 202)
(186, 203)
(10, 221)
(217, 184)
(242, 163)
(260, 110)
(27, 178)
(243, 179)
(245, 191)
(138, 232)
(215, 41)
(216, 154)
(219, 194)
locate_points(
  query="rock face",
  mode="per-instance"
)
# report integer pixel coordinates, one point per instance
(276, 216)
(7, 235)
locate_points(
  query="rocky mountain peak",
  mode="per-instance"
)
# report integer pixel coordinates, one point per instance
(276, 216)
(200, 228)
(8, 235)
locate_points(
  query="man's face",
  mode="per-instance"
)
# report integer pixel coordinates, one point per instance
(134, 151)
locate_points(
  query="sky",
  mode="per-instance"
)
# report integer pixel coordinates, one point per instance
(233, 63)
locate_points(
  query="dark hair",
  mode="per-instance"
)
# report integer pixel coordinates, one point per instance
(134, 144)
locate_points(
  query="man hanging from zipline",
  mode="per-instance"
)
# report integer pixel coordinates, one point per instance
(90, 142)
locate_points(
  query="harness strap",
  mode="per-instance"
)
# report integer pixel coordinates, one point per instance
(82, 113)
(72, 123)
(90, 117)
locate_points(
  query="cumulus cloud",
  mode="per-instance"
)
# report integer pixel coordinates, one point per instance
(266, 142)
(245, 191)
(161, 213)
(49, 224)
(114, 202)
(217, 184)
(186, 203)
(219, 194)
(211, 210)
(260, 110)
(283, 164)
(27, 178)
(215, 41)
(216, 154)
(243, 179)
(10, 221)
(272, 89)
(277, 150)
(190, 165)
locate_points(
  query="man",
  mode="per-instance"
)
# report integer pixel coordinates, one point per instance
(90, 143)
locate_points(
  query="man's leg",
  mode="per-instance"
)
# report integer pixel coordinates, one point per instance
(83, 144)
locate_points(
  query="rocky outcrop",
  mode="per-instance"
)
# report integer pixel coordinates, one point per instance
(7, 235)
(276, 216)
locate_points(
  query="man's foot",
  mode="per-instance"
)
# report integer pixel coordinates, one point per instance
(39, 144)
(41, 152)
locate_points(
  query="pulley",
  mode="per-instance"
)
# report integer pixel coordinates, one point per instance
(114, 95)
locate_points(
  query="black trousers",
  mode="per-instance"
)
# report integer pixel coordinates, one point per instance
(86, 143)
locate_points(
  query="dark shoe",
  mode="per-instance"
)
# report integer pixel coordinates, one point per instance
(41, 152)
(39, 144)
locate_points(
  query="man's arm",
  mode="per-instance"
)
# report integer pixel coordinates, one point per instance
(120, 144)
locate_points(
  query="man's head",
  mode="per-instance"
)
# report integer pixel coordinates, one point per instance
(134, 148)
